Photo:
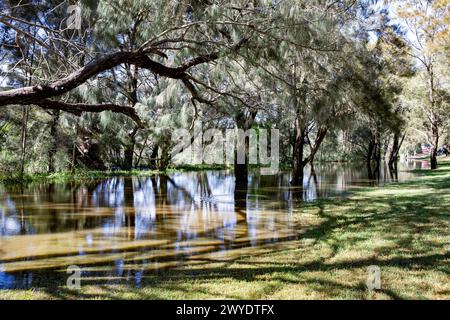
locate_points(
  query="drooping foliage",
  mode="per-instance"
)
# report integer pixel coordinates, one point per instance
(103, 84)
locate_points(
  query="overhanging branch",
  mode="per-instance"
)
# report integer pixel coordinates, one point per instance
(32, 94)
(79, 108)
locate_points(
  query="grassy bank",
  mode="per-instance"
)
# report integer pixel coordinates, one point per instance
(403, 228)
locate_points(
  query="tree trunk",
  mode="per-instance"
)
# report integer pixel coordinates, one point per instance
(370, 151)
(74, 150)
(393, 157)
(240, 173)
(129, 155)
(138, 160)
(240, 206)
(25, 116)
(297, 154)
(132, 100)
(377, 155)
(433, 119)
(54, 144)
(435, 145)
(396, 145)
(164, 156)
(315, 147)
(241, 169)
(154, 157)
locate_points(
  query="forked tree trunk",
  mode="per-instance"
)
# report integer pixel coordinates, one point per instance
(299, 163)
(396, 146)
(315, 147)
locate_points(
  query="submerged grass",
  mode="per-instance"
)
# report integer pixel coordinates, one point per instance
(403, 228)
(79, 175)
(86, 175)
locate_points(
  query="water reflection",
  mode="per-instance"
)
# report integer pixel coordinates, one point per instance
(128, 226)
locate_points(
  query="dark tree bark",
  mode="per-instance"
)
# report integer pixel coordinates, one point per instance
(433, 118)
(92, 158)
(154, 157)
(129, 155)
(33, 94)
(396, 145)
(297, 154)
(244, 122)
(377, 154)
(300, 137)
(240, 203)
(370, 151)
(129, 221)
(54, 142)
(434, 146)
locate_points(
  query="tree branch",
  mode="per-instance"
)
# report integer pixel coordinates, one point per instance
(33, 94)
(79, 108)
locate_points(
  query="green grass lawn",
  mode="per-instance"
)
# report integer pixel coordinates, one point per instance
(403, 228)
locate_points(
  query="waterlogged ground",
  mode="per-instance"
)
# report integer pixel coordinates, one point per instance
(194, 235)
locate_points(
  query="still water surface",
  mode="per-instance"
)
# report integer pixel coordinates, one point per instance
(126, 227)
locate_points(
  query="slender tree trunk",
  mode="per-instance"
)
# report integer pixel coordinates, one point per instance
(434, 148)
(315, 147)
(133, 99)
(377, 155)
(154, 157)
(53, 145)
(433, 119)
(369, 155)
(25, 116)
(297, 154)
(141, 151)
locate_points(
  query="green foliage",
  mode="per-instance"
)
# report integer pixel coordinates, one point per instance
(278, 62)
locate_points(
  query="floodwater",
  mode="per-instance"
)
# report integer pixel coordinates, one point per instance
(125, 227)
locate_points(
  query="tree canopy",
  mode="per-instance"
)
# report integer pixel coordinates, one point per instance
(102, 84)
